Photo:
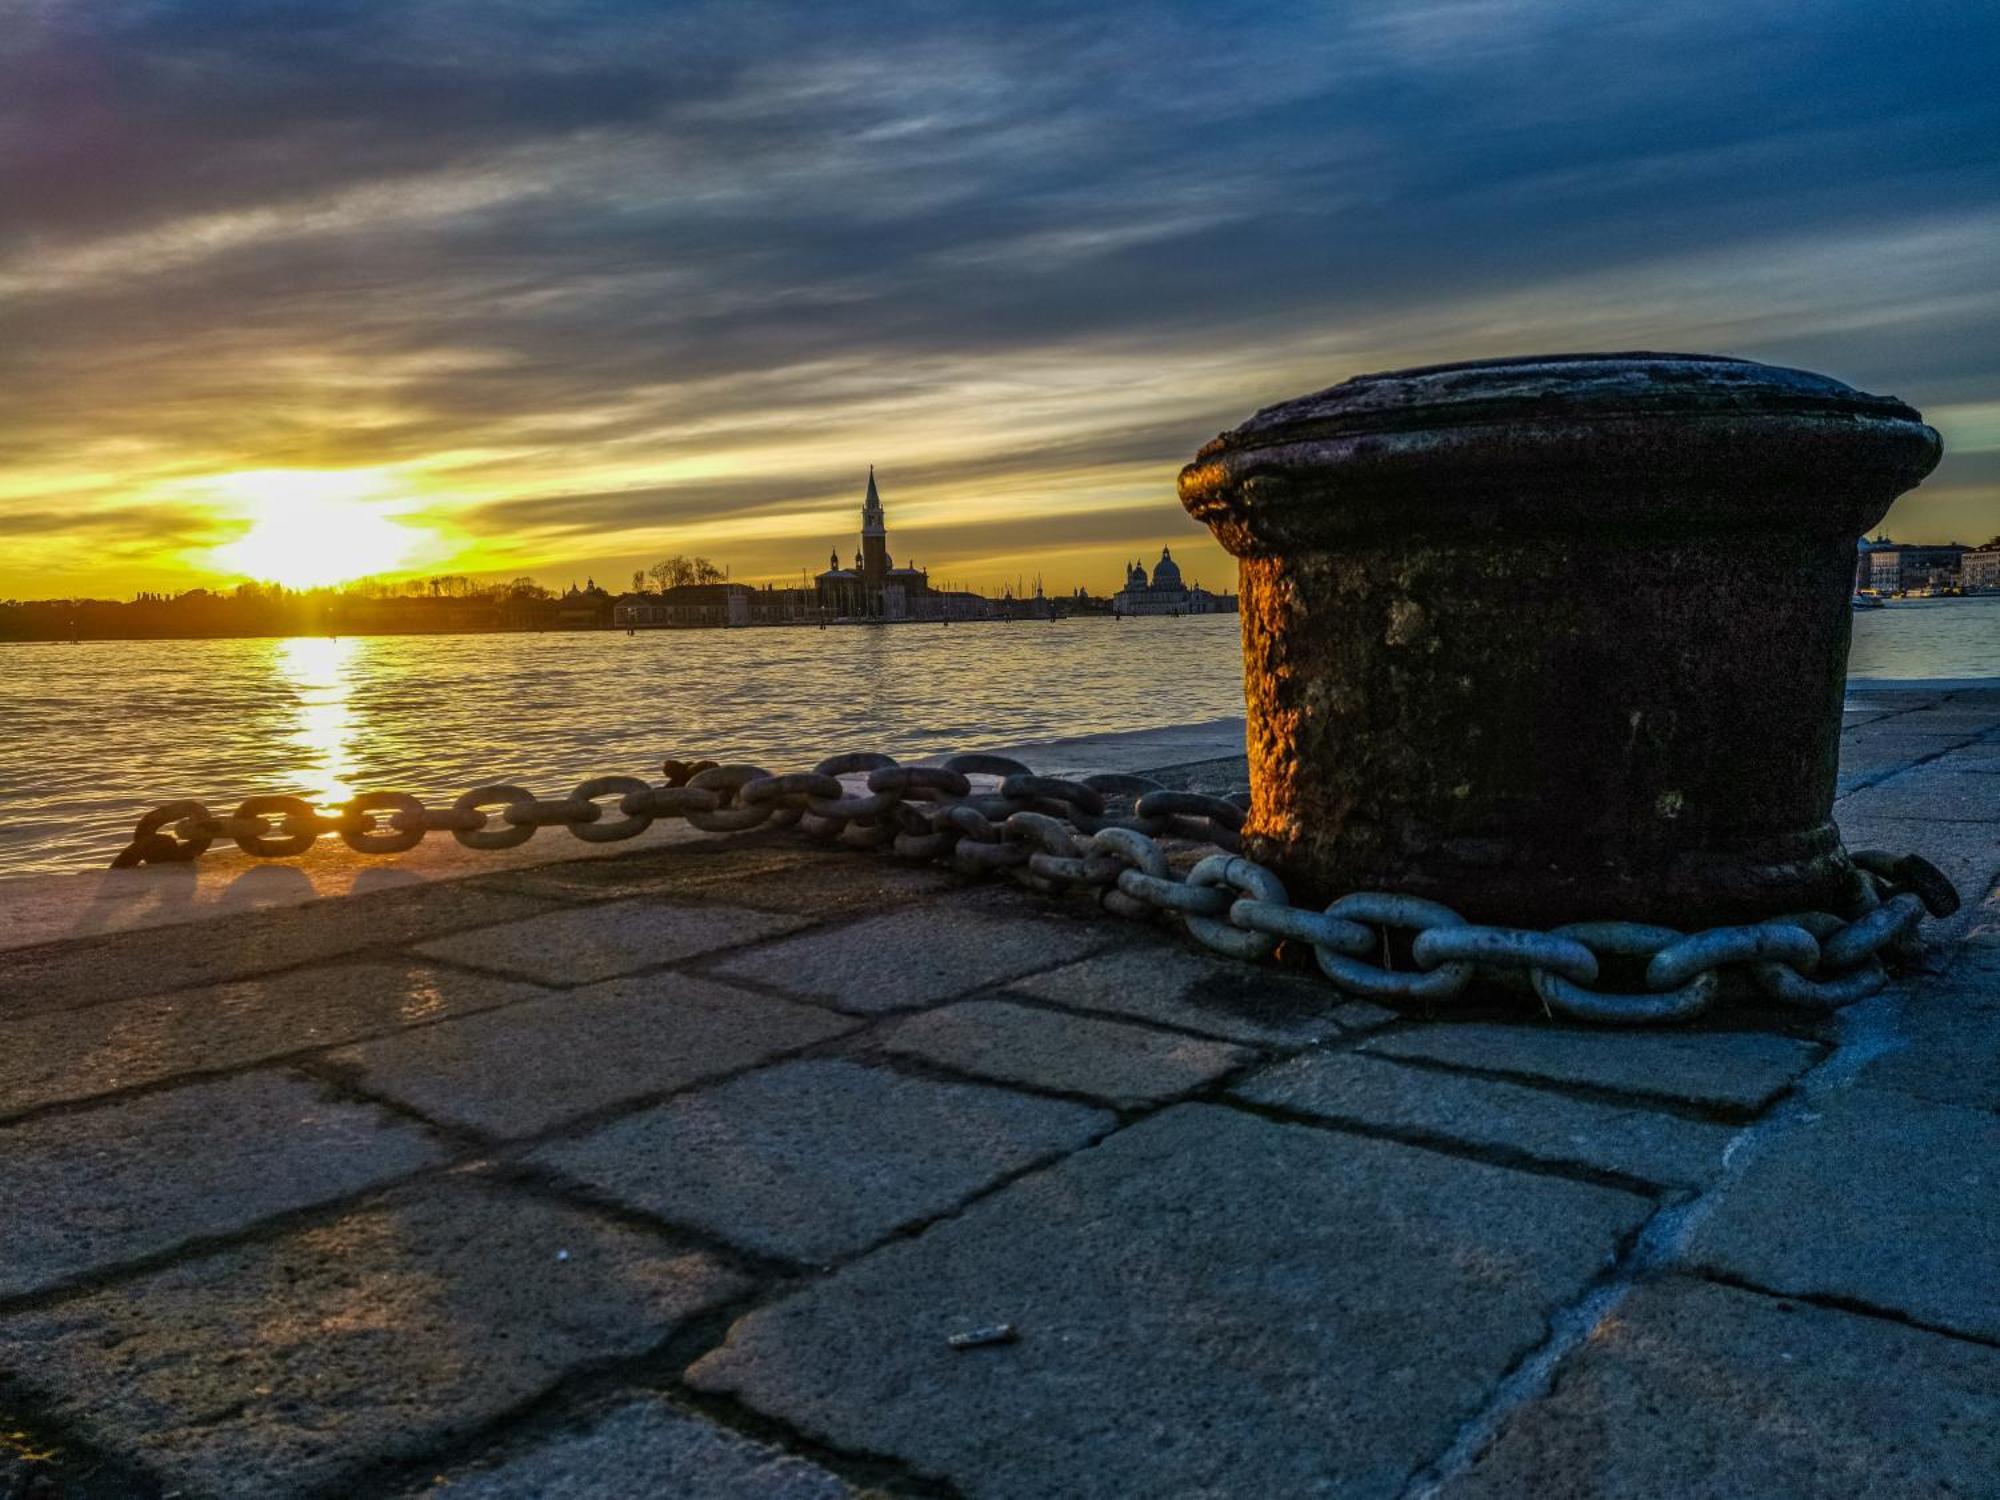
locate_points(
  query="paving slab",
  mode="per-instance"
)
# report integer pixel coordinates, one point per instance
(1951, 717)
(1426, 1103)
(601, 942)
(640, 872)
(274, 1368)
(813, 1160)
(828, 883)
(95, 1050)
(1888, 1204)
(1739, 1071)
(644, 1448)
(1207, 1304)
(1949, 1025)
(1938, 792)
(915, 957)
(66, 976)
(1176, 985)
(85, 1191)
(1704, 1392)
(525, 1069)
(809, 881)
(1109, 1060)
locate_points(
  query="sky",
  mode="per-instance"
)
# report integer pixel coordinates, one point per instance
(496, 287)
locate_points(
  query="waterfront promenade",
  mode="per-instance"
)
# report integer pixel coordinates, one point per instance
(676, 1170)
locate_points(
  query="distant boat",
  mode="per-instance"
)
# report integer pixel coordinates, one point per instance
(1867, 601)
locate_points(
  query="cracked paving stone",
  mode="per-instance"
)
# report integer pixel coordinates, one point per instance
(814, 1160)
(915, 957)
(644, 1448)
(139, 1177)
(524, 1069)
(1179, 987)
(1208, 1303)
(53, 1058)
(124, 965)
(1705, 1392)
(1883, 1201)
(1377, 1093)
(588, 943)
(1109, 1060)
(274, 1368)
(1741, 1071)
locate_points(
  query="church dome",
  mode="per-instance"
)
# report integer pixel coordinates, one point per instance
(1167, 572)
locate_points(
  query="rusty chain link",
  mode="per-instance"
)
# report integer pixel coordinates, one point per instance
(1099, 835)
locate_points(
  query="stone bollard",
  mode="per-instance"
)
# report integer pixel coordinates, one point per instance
(1555, 638)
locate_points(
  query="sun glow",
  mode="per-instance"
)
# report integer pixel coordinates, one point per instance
(310, 528)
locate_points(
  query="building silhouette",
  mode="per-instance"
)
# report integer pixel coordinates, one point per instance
(1165, 593)
(876, 589)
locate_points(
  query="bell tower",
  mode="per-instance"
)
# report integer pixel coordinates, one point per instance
(874, 538)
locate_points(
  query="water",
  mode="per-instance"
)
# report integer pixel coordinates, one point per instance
(96, 733)
(92, 735)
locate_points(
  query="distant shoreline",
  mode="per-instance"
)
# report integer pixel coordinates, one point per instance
(588, 630)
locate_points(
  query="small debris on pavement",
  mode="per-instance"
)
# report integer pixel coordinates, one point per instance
(980, 1338)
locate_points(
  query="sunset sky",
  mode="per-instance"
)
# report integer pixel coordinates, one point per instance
(497, 287)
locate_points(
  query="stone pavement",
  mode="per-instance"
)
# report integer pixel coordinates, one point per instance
(674, 1173)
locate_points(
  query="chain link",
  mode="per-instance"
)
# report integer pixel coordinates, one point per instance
(1100, 836)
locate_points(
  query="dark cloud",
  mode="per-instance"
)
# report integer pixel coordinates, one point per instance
(375, 231)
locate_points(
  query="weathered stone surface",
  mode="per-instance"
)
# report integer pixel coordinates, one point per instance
(817, 1159)
(1703, 1392)
(910, 958)
(270, 1369)
(1939, 792)
(601, 942)
(103, 1047)
(786, 878)
(526, 1068)
(1207, 1304)
(1890, 1203)
(89, 1190)
(645, 1449)
(70, 975)
(1885, 753)
(1949, 1050)
(1956, 715)
(1507, 1117)
(826, 883)
(1046, 1049)
(1737, 1070)
(1180, 986)
(671, 871)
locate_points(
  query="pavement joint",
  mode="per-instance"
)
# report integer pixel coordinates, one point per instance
(1487, 1154)
(300, 1058)
(215, 931)
(1660, 1103)
(1833, 1302)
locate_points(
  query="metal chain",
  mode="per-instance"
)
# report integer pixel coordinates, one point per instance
(987, 814)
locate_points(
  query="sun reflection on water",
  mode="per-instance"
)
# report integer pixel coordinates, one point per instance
(320, 671)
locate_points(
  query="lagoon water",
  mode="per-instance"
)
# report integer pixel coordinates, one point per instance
(93, 734)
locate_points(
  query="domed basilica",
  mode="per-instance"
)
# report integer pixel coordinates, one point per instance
(1166, 594)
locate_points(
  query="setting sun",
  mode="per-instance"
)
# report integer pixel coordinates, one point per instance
(311, 528)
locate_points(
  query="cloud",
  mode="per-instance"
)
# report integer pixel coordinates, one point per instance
(589, 273)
